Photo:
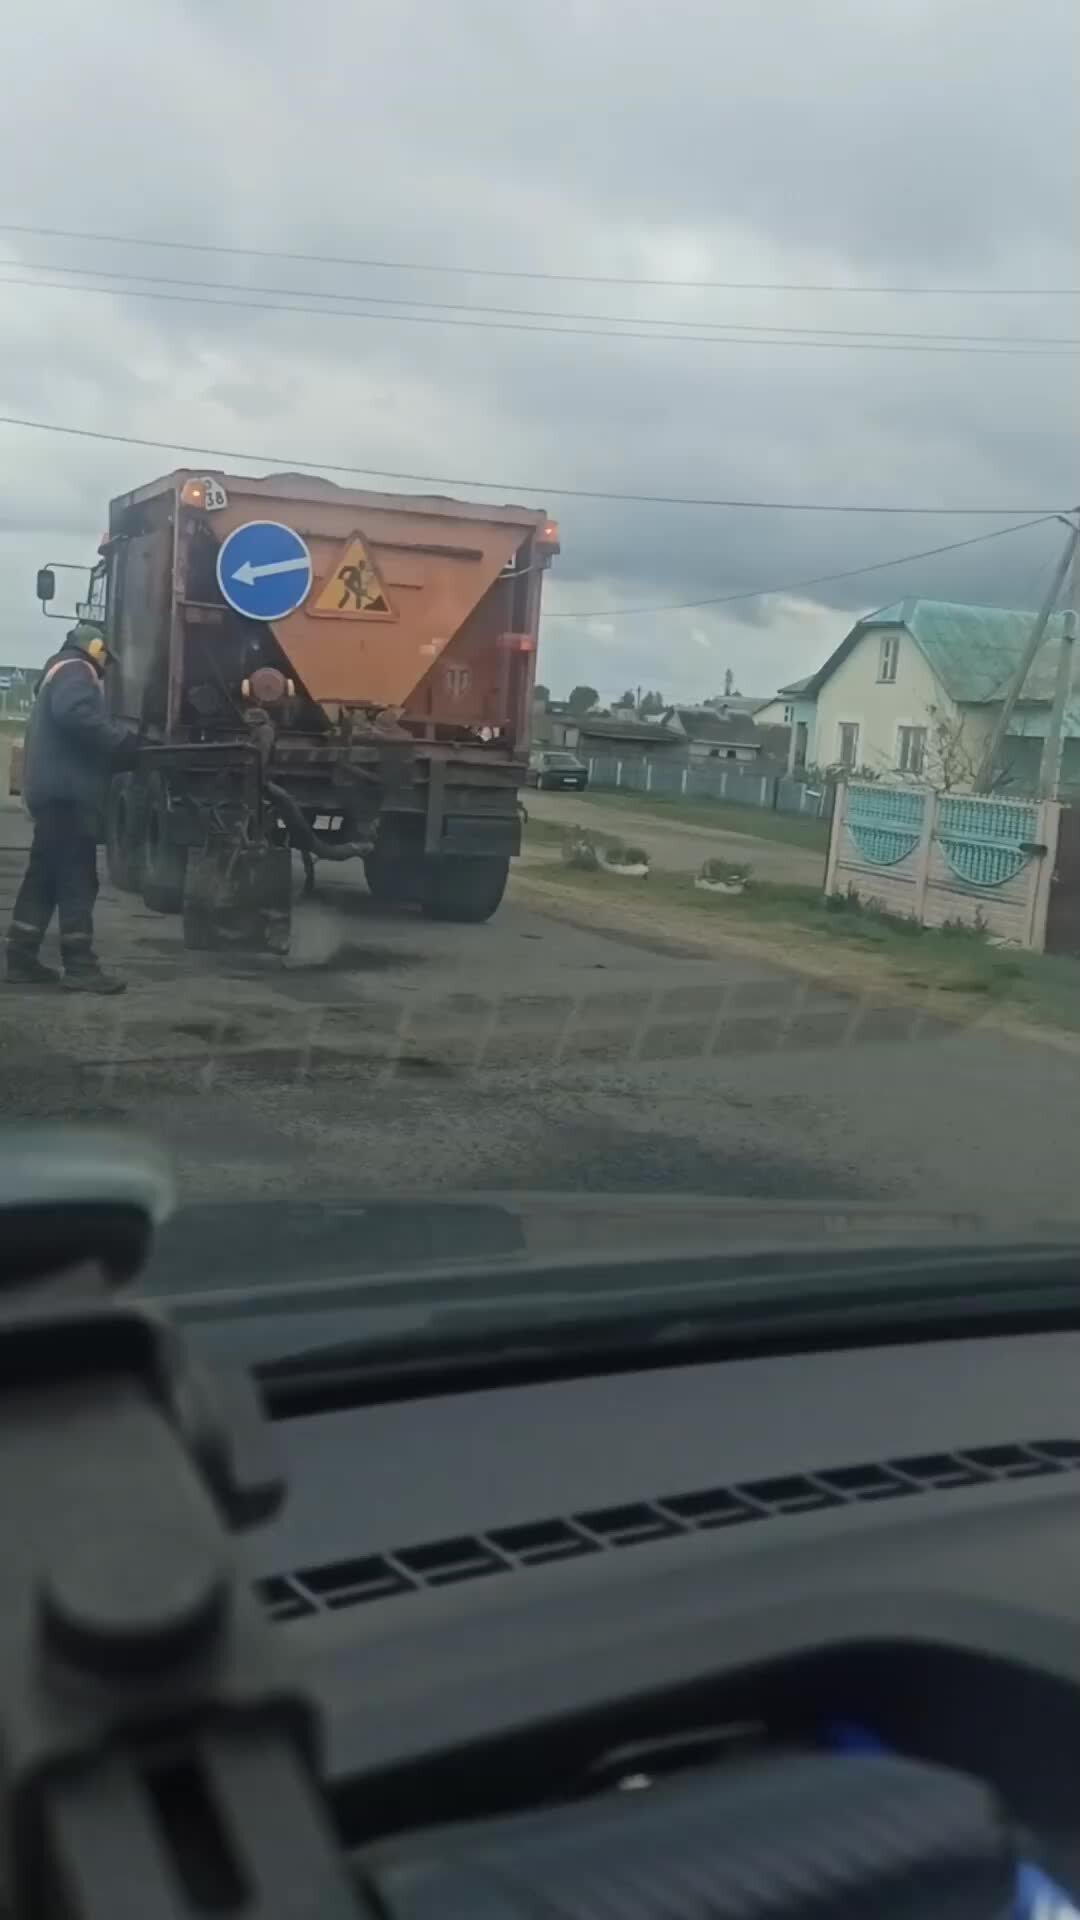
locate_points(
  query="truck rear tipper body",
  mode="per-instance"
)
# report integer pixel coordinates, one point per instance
(343, 673)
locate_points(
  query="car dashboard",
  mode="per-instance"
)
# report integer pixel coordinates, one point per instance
(520, 1597)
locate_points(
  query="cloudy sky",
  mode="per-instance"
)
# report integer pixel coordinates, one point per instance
(791, 143)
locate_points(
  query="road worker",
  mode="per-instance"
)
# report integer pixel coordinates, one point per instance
(72, 749)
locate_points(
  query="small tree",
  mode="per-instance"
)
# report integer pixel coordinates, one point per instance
(540, 692)
(582, 699)
(628, 699)
(652, 703)
(952, 760)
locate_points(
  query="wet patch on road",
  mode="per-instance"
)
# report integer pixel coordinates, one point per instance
(351, 958)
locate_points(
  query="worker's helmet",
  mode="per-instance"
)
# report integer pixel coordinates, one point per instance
(89, 639)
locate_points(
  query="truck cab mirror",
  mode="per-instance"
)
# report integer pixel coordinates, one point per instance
(46, 585)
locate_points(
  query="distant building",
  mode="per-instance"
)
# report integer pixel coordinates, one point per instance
(17, 689)
(712, 733)
(605, 734)
(738, 703)
(795, 708)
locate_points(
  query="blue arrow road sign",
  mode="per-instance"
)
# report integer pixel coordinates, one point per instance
(264, 570)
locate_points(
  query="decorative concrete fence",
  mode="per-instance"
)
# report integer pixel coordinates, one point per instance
(947, 857)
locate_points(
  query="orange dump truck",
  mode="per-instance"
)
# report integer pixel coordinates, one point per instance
(348, 674)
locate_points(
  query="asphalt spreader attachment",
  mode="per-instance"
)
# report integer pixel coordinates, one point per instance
(238, 897)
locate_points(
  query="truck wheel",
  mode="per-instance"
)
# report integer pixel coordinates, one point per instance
(163, 865)
(466, 890)
(124, 833)
(393, 881)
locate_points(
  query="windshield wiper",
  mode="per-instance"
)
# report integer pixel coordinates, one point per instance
(706, 1309)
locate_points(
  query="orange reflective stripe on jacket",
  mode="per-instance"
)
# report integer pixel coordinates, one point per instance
(73, 660)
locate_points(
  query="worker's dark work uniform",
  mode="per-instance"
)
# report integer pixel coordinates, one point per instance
(72, 748)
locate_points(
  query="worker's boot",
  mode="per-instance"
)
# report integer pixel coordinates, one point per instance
(88, 976)
(24, 969)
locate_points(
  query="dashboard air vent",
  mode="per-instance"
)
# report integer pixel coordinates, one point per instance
(439, 1563)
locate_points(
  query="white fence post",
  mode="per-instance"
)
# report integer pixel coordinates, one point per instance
(832, 858)
(926, 842)
(618, 773)
(1047, 832)
(684, 773)
(648, 776)
(764, 789)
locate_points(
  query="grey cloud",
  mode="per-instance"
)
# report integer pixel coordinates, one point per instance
(911, 140)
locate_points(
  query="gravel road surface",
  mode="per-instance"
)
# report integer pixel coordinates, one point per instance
(392, 1054)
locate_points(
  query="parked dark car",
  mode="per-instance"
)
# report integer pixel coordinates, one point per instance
(548, 768)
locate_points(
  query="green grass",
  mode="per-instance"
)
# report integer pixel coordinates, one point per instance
(1042, 988)
(760, 823)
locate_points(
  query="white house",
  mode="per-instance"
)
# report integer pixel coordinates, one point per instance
(914, 691)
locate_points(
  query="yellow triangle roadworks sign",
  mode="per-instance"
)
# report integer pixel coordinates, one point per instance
(353, 590)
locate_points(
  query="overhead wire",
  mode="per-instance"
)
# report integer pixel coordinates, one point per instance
(523, 273)
(799, 586)
(288, 463)
(533, 327)
(614, 320)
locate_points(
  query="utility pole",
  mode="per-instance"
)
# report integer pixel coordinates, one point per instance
(987, 769)
(1054, 744)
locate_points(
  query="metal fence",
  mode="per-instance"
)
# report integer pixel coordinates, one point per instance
(744, 786)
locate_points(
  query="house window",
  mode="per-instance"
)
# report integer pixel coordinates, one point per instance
(911, 749)
(890, 648)
(789, 715)
(848, 754)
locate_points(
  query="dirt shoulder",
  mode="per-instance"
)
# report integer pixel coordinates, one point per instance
(673, 843)
(961, 981)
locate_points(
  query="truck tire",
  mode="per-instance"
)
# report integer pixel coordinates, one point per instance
(465, 889)
(124, 833)
(163, 864)
(394, 881)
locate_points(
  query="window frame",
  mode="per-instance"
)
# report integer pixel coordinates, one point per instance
(906, 731)
(888, 658)
(855, 727)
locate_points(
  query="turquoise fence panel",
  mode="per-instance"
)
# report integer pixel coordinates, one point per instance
(985, 842)
(885, 823)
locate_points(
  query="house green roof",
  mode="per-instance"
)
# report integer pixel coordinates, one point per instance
(975, 651)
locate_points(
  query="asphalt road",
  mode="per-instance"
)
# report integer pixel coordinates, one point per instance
(390, 1054)
(680, 844)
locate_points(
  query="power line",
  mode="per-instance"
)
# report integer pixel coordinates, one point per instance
(799, 586)
(289, 463)
(530, 326)
(522, 273)
(614, 320)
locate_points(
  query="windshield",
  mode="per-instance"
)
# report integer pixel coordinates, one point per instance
(538, 711)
